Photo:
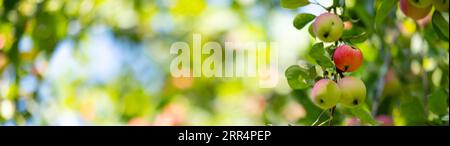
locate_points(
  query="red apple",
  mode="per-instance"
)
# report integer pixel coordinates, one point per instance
(420, 3)
(347, 58)
(412, 11)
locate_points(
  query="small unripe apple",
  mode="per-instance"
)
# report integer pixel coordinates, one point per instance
(385, 120)
(2, 41)
(325, 93)
(391, 84)
(348, 25)
(353, 91)
(412, 11)
(347, 58)
(328, 27)
(138, 121)
(420, 3)
(441, 5)
(353, 122)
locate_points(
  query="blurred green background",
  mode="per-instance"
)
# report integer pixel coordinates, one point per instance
(106, 62)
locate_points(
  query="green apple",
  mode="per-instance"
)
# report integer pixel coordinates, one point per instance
(325, 93)
(353, 91)
(328, 27)
(420, 3)
(441, 5)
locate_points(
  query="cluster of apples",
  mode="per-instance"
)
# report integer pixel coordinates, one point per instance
(418, 9)
(349, 91)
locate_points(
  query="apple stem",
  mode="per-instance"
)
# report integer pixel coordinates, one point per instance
(325, 74)
(337, 75)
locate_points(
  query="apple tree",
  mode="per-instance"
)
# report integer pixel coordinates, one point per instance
(382, 62)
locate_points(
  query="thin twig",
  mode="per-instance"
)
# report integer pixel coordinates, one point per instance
(383, 71)
(331, 118)
(320, 116)
(424, 75)
(316, 3)
(425, 91)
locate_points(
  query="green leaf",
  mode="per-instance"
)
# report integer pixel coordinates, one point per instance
(50, 29)
(302, 19)
(311, 31)
(9, 5)
(345, 18)
(321, 56)
(355, 35)
(292, 4)
(312, 74)
(335, 2)
(383, 10)
(445, 118)
(438, 102)
(440, 25)
(330, 49)
(412, 110)
(359, 38)
(363, 15)
(298, 77)
(364, 115)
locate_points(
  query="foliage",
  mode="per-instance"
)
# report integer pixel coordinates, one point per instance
(381, 27)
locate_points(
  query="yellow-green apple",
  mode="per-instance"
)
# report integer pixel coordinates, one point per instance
(325, 93)
(391, 84)
(353, 91)
(328, 27)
